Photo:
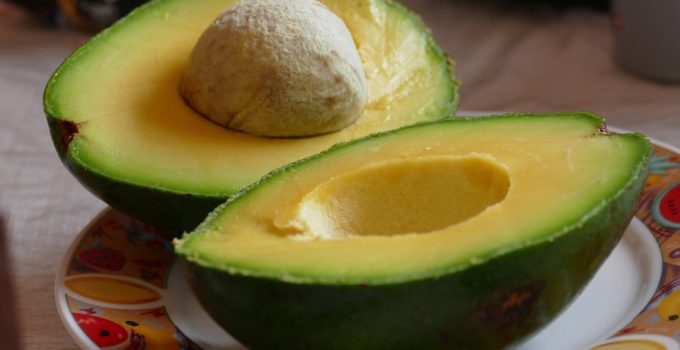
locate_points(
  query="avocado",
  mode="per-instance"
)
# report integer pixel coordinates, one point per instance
(122, 128)
(467, 233)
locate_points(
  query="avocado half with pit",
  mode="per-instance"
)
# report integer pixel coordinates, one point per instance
(457, 234)
(121, 127)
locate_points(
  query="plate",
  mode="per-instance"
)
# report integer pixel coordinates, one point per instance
(120, 287)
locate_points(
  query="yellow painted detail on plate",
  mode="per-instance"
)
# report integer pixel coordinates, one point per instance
(110, 290)
(669, 307)
(636, 344)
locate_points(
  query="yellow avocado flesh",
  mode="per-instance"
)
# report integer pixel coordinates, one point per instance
(134, 126)
(421, 201)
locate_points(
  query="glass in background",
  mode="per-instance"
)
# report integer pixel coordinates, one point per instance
(647, 37)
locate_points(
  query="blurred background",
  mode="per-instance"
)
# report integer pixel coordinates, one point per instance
(96, 14)
(618, 59)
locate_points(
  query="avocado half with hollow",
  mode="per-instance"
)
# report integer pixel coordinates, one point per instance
(121, 127)
(458, 234)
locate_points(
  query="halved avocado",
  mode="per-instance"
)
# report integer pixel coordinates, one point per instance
(122, 128)
(458, 234)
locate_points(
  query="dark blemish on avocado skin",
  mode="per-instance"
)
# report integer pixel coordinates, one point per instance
(68, 130)
(602, 130)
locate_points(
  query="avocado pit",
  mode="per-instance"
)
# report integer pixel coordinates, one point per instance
(277, 69)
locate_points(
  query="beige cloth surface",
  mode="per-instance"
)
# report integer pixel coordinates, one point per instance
(507, 62)
(549, 62)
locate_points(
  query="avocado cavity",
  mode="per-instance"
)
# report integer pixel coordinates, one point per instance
(405, 196)
(277, 69)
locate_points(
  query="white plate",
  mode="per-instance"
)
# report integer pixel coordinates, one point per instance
(619, 291)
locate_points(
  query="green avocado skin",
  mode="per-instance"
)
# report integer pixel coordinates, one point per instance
(173, 212)
(486, 306)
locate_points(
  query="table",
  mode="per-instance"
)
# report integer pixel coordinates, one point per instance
(507, 61)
